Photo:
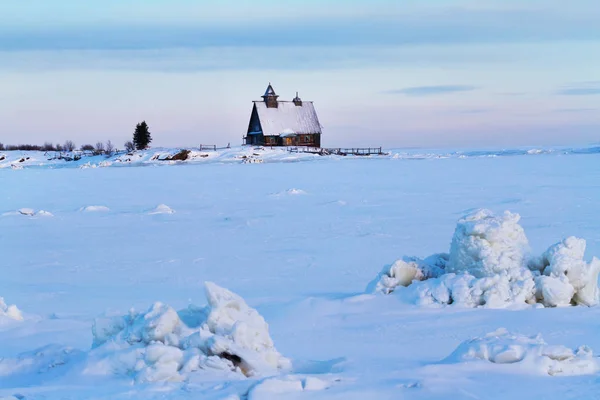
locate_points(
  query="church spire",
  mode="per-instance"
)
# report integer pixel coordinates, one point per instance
(270, 97)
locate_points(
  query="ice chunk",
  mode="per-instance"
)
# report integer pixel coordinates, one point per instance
(554, 291)
(488, 265)
(484, 245)
(465, 290)
(406, 270)
(564, 261)
(589, 295)
(164, 345)
(245, 330)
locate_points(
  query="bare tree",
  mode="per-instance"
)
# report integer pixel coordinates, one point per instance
(1, 146)
(129, 146)
(109, 148)
(69, 146)
(59, 147)
(99, 149)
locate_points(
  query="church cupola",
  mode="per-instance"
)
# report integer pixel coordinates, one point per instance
(297, 100)
(270, 97)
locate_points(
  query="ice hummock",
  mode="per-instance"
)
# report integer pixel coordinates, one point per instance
(489, 264)
(165, 345)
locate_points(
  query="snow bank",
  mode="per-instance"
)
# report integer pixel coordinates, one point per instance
(10, 311)
(162, 209)
(164, 345)
(489, 265)
(529, 354)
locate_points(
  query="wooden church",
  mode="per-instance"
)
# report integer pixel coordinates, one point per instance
(275, 122)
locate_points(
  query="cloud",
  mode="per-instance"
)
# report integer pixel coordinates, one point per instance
(581, 89)
(432, 90)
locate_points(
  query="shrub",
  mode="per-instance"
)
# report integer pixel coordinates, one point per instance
(109, 148)
(129, 146)
(69, 146)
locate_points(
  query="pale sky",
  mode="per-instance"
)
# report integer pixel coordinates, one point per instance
(427, 73)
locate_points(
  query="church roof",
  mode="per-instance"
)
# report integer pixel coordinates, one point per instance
(287, 118)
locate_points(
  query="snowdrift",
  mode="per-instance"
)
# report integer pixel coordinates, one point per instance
(526, 354)
(165, 345)
(9, 311)
(489, 265)
(161, 209)
(92, 209)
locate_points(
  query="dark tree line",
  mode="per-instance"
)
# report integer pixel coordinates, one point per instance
(141, 140)
(69, 146)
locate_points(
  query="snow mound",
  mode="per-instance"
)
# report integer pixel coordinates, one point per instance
(26, 211)
(95, 209)
(289, 192)
(294, 192)
(489, 265)
(406, 270)
(10, 311)
(529, 354)
(164, 345)
(43, 213)
(162, 209)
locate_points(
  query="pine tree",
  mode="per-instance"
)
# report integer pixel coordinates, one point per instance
(141, 136)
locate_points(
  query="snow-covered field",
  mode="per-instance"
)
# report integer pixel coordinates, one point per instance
(258, 279)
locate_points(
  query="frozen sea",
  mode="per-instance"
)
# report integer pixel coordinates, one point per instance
(299, 241)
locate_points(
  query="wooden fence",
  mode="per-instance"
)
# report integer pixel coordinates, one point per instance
(213, 147)
(341, 151)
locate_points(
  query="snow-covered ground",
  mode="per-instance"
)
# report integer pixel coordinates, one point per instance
(106, 274)
(246, 155)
